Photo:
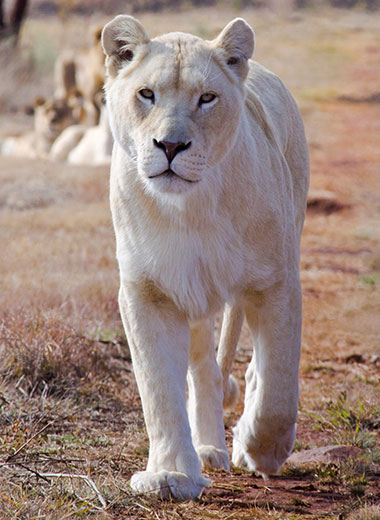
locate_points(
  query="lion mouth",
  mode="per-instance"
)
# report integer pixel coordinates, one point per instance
(170, 174)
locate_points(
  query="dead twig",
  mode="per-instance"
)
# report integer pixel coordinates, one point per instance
(31, 471)
(87, 479)
(142, 507)
(7, 498)
(13, 455)
(56, 459)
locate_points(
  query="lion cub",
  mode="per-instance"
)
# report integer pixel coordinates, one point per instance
(209, 178)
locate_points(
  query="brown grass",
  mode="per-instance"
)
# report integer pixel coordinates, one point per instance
(44, 355)
(68, 400)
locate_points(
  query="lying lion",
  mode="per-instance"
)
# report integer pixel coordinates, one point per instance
(80, 144)
(51, 117)
(209, 178)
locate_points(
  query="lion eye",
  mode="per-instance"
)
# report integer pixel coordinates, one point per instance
(206, 98)
(146, 93)
(233, 60)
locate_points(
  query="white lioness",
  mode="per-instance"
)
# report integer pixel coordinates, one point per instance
(208, 191)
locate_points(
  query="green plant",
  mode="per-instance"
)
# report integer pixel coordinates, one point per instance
(300, 445)
(328, 474)
(369, 281)
(352, 424)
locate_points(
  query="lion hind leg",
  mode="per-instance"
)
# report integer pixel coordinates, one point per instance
(205, 398)
(265, 433)
(232, 323)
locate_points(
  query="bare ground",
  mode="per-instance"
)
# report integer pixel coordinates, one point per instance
(68, 401)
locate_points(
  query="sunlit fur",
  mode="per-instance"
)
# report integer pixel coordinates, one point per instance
(224, 230)
(80, 144)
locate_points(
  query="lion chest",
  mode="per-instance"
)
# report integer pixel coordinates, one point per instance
(198, 271)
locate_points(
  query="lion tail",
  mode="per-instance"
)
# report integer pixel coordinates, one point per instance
(232, 323)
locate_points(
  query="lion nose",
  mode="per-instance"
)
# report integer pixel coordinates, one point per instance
(171, 149)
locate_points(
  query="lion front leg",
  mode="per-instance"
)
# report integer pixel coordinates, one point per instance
(206, 398)
(264, 435)
(159, 340)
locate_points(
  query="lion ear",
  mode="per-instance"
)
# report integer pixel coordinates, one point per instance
(39, 101)
(120, 37)
(237, 40)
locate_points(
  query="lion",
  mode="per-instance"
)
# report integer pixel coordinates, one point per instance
(67, 141)
(84, 72)
(209, 179)
(80, 144)
(95, 147)
(51, 117)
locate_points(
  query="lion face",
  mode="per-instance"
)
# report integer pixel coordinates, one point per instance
(175, 103)
(52, 117)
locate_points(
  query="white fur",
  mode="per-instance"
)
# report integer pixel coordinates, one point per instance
(224, 230)
(80, 144)
(95, 147)
(66, 142)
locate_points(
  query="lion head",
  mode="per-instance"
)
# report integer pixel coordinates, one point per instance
(175, 102)
(52, 116)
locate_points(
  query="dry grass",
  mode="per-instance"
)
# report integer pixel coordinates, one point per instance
(68, 400)
(365, 513)
(42, 355)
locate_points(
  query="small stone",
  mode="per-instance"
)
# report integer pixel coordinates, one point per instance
(324, 454)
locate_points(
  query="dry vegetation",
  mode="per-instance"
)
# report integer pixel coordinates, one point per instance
(71, 427)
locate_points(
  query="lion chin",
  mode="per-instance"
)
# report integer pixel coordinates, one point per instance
(170, 181)
(209, 178)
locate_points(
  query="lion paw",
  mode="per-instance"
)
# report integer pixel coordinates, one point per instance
(214, 458)
(241, 458)
(262, 458)
(167, 484)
